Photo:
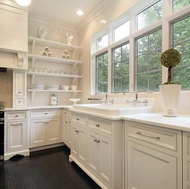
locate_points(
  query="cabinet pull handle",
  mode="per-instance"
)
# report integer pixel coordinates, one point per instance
(76, 131)
(46, 113)
(97, 125)
(139, 133)
(16, 115)
(97, 141)
(16, 124)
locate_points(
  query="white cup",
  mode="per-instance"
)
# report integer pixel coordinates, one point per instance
(73, 87)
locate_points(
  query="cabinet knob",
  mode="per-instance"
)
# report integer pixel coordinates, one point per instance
(97, 125)
(16, 115)
(77, 119)
(46, 113)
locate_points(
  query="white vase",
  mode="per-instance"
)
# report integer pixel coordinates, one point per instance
(170, 95)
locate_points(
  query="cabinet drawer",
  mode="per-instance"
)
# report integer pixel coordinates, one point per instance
(16, 115)
(66, 113)
(79, 118)
(19, 101)
(160, 136)
(44, 113)
(101, 125)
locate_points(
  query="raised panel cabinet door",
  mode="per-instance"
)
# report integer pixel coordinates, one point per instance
(75, 141)
(53, 130)
(186, 160)
(66, 131)
(38, 132)
(14, 28)
(17, 132)
(19, 83)
(148, 168)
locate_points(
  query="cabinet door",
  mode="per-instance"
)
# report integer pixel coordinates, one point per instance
(100, 156)
(186, 160)
(79, 143)
(19, 88)
(17, 132)
(148, 168)
(53, 130)
(38, 132)
(14, 28)
(66, 131)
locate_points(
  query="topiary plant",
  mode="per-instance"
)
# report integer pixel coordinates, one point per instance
(170, 58)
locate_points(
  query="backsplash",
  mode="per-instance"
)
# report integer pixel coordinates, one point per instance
(6, 88)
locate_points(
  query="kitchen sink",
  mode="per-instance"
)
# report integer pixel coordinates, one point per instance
(113, 109)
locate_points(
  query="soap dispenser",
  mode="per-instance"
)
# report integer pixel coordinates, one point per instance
(53, 100)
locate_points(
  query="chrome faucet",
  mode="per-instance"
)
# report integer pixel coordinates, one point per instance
(136, 100)
(107, 100)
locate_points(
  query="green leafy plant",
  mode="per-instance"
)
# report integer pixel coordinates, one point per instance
(170, 58)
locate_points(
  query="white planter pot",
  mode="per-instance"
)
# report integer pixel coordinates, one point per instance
(170, 95)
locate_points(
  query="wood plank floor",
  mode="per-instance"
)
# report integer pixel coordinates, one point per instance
(47, 169)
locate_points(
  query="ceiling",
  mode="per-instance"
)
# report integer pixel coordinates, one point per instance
(64, 11)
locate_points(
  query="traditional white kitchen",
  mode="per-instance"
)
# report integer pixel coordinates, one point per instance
(51, 94)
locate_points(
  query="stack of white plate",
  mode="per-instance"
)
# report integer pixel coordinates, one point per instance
(37, 86)
(52, 87)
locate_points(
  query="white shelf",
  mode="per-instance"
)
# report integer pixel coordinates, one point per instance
(54, 75)
(53, 44)
(33, 91)
(53, 59)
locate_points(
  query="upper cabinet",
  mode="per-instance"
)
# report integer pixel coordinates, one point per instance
(13, 37)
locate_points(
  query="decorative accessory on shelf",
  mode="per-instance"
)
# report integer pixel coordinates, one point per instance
(69, 38)
(41, 32)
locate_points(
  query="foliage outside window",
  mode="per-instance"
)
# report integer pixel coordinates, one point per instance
(102, 73)
(120, 68)
(148, 66)
(181, 42)
(103, 42)
(150, 15)
(121, 31)
(179, 4)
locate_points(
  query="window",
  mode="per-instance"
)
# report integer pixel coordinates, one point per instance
(102, 73)
(103, 42)
(120, 68)
(150, 15)
(148, 66)
(121, 31)
(179, 4)
(181, 42)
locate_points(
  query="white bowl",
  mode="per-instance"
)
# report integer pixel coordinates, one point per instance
(37, 86)
(64, 87)
(52, 87)
(73, 87)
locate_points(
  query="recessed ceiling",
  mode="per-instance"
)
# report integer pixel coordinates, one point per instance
(63, 11)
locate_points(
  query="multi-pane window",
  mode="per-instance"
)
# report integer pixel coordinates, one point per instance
(121, 31)
(120, 68)
(150, 15)
(181, 42)
(148, 66)
(102, 42)
(102, 72)
(179, 4)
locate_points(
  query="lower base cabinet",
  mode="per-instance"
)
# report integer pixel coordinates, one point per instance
(153, 157)
(97, 147)
(45, 128)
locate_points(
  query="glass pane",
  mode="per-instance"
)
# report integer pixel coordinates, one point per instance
(102, 73)
(103, 42)
(120, 68)
(148, 66)
(121, 31)
(179, 4)
(150, 15)
(181, 42)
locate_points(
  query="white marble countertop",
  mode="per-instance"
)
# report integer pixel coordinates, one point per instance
(181, 122)
(39, 107)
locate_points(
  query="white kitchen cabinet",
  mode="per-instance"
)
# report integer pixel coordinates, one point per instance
(66, 127)
(100, 157)
(186, 160)
(16, 133)
(153, 157)
(97, 147)
(19, 88)
(45, 127)
(41, 66)
(13, 37)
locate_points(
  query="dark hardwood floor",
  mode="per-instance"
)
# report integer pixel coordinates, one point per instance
(47, 169)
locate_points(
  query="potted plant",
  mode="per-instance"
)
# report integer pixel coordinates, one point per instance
(170, 90)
